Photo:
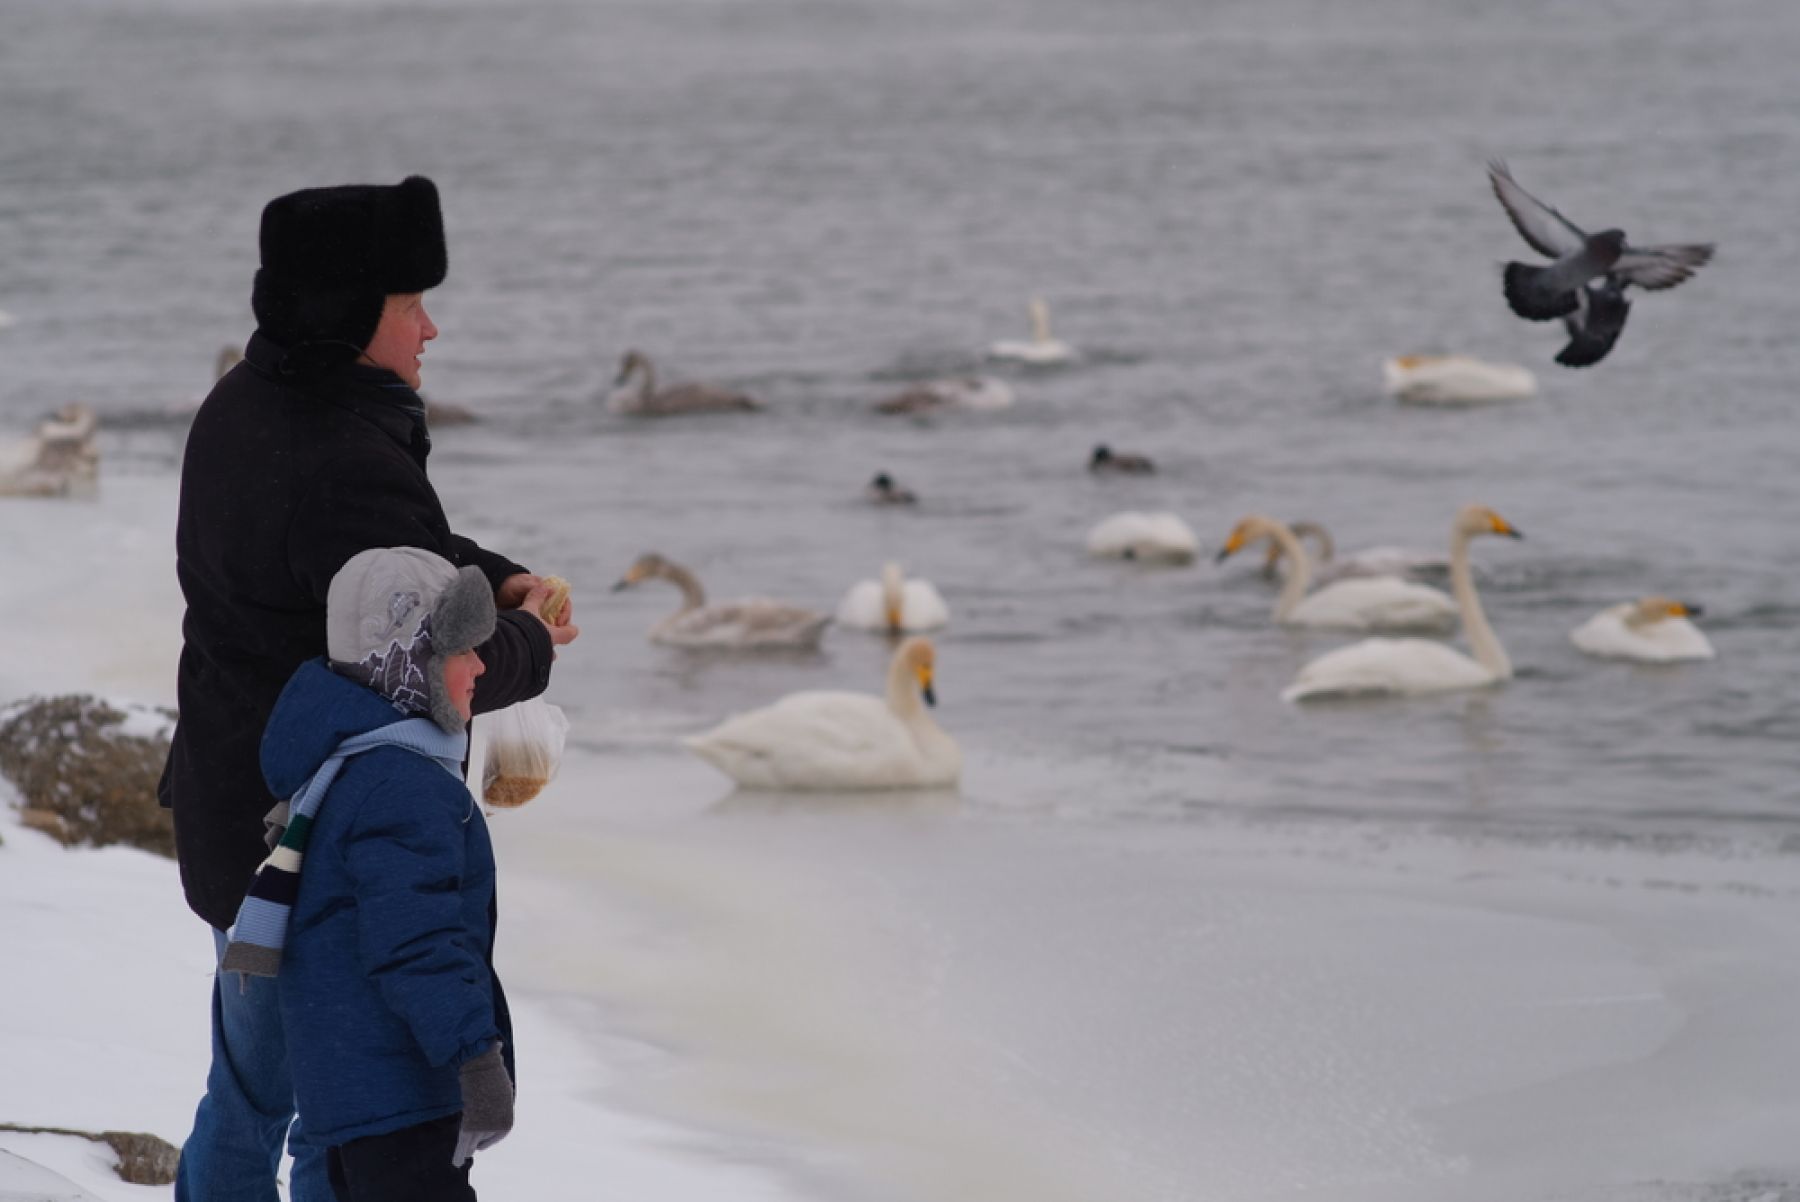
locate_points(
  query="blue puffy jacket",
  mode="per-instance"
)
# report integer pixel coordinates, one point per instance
(387, 981)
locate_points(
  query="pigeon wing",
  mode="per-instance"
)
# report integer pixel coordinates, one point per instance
(1656, 267)
(1548, 231)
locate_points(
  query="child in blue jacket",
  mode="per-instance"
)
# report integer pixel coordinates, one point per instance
(375, 909)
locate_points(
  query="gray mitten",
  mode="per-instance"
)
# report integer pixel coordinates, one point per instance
(487, 1096)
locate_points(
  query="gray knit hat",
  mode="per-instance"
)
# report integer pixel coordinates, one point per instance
(393, 615)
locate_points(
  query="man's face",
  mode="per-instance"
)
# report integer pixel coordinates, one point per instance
(401, 335)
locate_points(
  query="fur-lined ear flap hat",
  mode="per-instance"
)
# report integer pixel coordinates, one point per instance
(331, 256)
(393, 615)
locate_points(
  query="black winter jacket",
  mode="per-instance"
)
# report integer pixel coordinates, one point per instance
(282, 482)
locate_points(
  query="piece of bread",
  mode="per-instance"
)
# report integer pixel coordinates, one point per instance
(556, 606)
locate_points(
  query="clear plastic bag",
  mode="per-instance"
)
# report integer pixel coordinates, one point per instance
(524, 747)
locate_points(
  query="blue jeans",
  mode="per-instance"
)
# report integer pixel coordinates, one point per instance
(235, 1149)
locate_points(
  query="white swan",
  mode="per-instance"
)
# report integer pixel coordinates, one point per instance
(1370, 561)
(1369, 603)
(59, 460)
(836, 740)
(1041, 349)
(1148, 537)
(974, 393)
(1455, 380)
(753, 624)
(1653, 630)
(895, 604)
(644, 399)
(1277, 563)
(1420, 665)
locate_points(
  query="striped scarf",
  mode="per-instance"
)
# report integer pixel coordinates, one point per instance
(254, 943)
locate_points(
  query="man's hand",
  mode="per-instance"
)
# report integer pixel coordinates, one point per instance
(513, 590)
(533, 603)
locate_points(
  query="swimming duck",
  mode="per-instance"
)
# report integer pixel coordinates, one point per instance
(883, 491)
(1106, 461)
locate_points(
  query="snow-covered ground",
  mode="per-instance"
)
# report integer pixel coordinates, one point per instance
(105, 1005)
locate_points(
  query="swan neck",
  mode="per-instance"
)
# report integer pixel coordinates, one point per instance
(647, 388)
(893, 598)
(903, 693)
(692, 595)
(1040, 322)
(1482, 640)
(1299, 577)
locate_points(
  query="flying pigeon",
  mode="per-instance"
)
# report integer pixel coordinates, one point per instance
(1594, 315)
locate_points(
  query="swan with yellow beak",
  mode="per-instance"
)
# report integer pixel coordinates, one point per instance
(827, 740)
(1421, 665)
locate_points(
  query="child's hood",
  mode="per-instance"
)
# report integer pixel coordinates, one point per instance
(316, 711)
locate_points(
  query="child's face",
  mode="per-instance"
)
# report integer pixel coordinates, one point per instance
(460, 672)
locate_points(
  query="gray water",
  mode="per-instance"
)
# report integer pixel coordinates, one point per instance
(1235, 211)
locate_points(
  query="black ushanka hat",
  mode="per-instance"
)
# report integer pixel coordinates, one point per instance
(331, 256)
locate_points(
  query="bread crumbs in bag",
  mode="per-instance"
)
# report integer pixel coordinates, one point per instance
(524, 747)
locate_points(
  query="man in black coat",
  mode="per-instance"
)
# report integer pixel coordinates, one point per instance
(309, 451)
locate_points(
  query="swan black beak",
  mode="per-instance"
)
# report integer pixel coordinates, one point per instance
(1223, 555)
(930, 695)
(621, 585)
(1693, 611)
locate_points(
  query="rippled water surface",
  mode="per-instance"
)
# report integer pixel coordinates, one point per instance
(1235, 210)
